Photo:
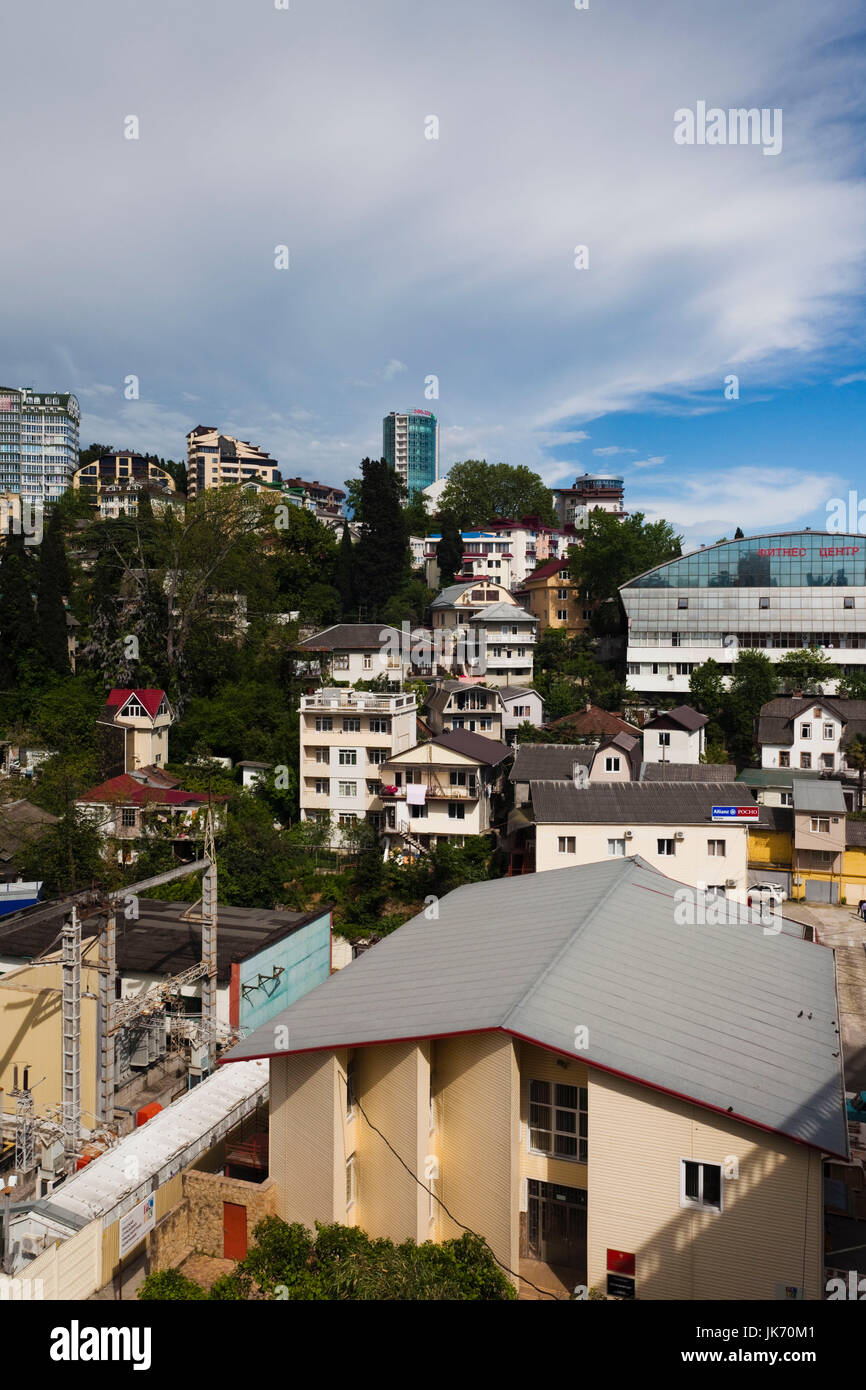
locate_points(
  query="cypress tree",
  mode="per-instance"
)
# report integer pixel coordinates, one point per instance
(450, 551)
(383, 557)
(52, 637)
(17, 614)
(345, 575)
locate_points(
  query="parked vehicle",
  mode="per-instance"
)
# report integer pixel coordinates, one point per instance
(764, 893)
(855, 1107)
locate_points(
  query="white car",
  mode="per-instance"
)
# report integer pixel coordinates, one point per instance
(762, 893)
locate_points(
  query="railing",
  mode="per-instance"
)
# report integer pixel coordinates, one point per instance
(435, 792)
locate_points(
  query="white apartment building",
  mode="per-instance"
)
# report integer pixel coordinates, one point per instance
(495, 635)
(505, 552)
(219, 460)
(38, 443)
(675, 736)
(465, 705)
(346, 737)
(358, 652)
(590, 493)
(809, 733)
(670, 825)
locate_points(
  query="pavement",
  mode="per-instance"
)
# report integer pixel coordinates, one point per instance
(840, 927)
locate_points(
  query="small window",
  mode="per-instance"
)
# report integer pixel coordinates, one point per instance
(562, 595)
(558, 1120)
(806, 760)
(616, 848)
(348, 788)
(819, 826)
(562, 615)
(700, 1185)
(566, 844)
(805, 730)
(323, 786)
(784, 760)
(418, 812)
(847, 603)
(351, 726)
(828, 762)
(351, 1085)
(829, 730)
(341, 661)
(348, 757)
(368, 663)
(786, 798)
(611, 764)
(351, 1181)
(665, 739)
(324, 724)
(666, 847)
(763, 603)
(456, 810)
(716, 849)
(682, 603)
(127, 816)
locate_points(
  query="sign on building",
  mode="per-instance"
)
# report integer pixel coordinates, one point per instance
(136, 1224)
(736, 812)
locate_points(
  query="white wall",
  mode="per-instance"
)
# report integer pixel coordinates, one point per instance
(691, 862)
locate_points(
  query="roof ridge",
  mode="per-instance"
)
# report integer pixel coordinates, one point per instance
(616, 882)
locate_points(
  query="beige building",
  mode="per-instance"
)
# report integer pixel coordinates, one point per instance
(135, 725)
(219, 460)
(550, 594)
(346, 738)
(114, 482)
(464, 705)
(564, 1069)
(445, 789)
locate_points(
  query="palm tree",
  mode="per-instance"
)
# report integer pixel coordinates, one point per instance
(855, 757)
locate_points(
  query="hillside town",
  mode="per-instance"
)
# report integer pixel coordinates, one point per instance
(338, 824)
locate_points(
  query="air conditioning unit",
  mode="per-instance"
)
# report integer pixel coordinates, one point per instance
(670, 676)
(628, 835)
(730, 883)
(679, 835)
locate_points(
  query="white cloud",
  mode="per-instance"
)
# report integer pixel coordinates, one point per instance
(650, 462)
(612, 449)
(393, 368)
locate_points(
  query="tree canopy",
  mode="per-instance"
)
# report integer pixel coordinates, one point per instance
(478, 492)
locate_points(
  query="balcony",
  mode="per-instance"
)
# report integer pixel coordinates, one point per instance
(436, 791)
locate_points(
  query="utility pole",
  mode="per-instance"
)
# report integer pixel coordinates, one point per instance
(209, 944)
(107, 986)
(71, 1036)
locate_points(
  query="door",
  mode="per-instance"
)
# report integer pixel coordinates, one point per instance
(557, 1224)
(234, 1231)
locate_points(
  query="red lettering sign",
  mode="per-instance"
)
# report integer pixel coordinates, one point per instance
(620, 1262)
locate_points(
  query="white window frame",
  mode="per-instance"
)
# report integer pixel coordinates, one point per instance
(348, 757)
(666, 853)
(820, 825)
(714, 851)
(614, 852)
(699, 1204)
(567, 844)
(612, 764)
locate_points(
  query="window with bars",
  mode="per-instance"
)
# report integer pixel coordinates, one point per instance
(700, 1185)
(558, 1120)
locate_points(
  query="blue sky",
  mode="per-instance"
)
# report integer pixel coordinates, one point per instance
(455, 257)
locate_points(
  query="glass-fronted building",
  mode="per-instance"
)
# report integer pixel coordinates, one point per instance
(38, 443)
(410, 443)
(777, 593)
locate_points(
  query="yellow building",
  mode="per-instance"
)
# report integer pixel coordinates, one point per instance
(552, 597)
(812, 848)
(114, 482)
(219, 460)
(556, 1064)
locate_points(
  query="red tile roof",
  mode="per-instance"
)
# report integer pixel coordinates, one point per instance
(594, 721)
(150, 699)
(548, 569)
(126, 791)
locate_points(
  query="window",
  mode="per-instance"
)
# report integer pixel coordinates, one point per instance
(456, 810)
(351, 1181)
(820, 826)
(611, 764)
(368, 663)
(341, 661)
(682, 603)
(348, 757)
(665, 738)
(562, 595)
(806, 760)
(666, 847)
(562, 615)
(372, 787)
(324, 724)
(847, 603)
(127, 815)
(716, 849)
(377, 755)
(351, 1085)
(829, 730)
(700, 1185)
(805, 730)
(566, 844)
(380, 726)
(784, 760)
(828, 761)
(763, 603)
(323, 786)
(786, 799)
(616, 848)
(351, 726)
(634, 668)
(347, 818)
(347, 788)
(418, 812)
(457, 779)
(558, 1120)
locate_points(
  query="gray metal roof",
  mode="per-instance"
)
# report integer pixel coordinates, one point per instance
(502, 613)
(689, 772)
(819, 796)
(533, 761)
(447, 597)
(641, 803)
(351, 637)
(724, 1015)
(682, 715)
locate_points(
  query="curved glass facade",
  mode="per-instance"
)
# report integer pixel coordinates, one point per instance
(801, 559)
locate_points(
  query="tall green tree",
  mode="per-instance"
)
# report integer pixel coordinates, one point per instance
(449, 553)
(478, 492)
(855, 757)
(345, 572)
(52, 583)
(18, 639)
(805, 670)
(753, 683)
(613, 550)
(383, 556)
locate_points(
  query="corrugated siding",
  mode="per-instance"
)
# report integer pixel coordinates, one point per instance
(388, 1092)
(769, 1232)
(478, 1116)
(304, 1161)
(769, 847)
(71, 1269)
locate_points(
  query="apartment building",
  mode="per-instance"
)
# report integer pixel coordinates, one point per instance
(520, 705)
(134, 729)
(809, 846)
(591, 492)
(464, 705)
(559, 1064)
(410, 444)
(444, 789)
(356, 652)
(114, 482)
(38, 443)
(505, 551)
(550, 594)
(219, 460)
(346, 738)
(669, 824)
